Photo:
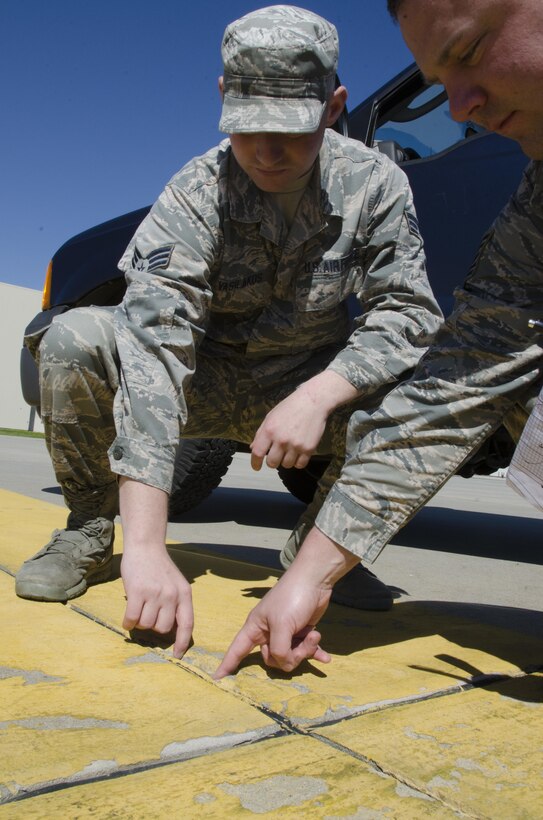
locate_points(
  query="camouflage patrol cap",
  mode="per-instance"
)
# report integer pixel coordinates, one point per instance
(279, 71)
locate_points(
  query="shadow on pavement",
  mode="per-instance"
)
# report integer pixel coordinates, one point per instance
(512, 634)
(439, 529)
(252, 508)
(507, 537)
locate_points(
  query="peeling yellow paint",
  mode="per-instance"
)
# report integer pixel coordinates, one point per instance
(480, 751)
(377, 657)
(91, 700)
(80, 699)
(290, 777)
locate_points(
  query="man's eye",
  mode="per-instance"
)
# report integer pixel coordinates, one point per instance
(471, 52)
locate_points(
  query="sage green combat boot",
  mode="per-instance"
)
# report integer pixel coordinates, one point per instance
(77, 556)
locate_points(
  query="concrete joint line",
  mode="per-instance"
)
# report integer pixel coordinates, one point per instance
(368, 761)
(191, 752)
(481, 682)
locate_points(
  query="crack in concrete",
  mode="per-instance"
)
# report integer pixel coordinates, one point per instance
(283, 726)
(344, 713)
(414, 790)
(99, 770)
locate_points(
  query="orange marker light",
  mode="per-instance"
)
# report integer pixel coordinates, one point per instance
(46, 295)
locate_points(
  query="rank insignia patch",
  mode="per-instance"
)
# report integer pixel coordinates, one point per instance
(413, 225)
(155, 260)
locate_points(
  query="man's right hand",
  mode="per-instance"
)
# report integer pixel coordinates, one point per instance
(292, 430)
(158, 595)
(283, 622)
(283, 625)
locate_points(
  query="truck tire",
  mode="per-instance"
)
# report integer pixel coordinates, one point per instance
(303, 483)
(199, 467)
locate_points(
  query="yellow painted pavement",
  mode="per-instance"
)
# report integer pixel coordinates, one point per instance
(77, 700)
(288, 777)
(80, 700)
(480, 751)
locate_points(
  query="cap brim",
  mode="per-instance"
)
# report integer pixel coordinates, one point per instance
(252, 115)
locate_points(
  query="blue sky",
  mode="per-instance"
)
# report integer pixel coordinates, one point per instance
(104, 100)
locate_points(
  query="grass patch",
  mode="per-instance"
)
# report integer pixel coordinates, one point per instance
(7, 431)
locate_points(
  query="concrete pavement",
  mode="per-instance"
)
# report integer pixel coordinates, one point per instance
(432, 710)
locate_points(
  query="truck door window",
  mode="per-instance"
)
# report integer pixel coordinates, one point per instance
(422, 124)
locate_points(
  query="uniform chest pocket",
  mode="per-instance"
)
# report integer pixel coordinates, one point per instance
(324, 290)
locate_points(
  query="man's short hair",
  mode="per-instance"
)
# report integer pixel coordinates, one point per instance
(393, 8)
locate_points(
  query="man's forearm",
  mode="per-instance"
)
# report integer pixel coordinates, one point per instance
(320, 561)
(157, 595)
(329, 390)
(144, 515)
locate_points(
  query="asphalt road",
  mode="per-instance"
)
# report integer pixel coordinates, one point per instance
(475, 546)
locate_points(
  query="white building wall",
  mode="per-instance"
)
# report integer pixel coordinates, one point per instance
(17, 307)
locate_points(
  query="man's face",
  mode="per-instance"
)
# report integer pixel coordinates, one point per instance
(275, 162)
(489, 56)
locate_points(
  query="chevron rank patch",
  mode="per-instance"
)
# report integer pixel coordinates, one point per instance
(413, 225)
(155, 260)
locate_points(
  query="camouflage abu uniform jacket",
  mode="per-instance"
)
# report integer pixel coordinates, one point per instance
(484, 360)
(213, 265)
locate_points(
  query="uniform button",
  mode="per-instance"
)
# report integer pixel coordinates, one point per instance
(117, 453)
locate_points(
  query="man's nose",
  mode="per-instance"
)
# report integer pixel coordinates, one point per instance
(269, 149)
(466, 100)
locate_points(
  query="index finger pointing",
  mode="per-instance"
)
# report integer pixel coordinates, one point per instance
(256, 462)
(185, 625)
(240, 647)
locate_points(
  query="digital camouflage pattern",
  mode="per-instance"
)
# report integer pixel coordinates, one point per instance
(79, 373)
(484, 367)
(280, 66)
(237, 281)
(218, 285)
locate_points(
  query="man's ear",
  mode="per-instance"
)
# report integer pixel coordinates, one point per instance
(336, 105)
(221, 86)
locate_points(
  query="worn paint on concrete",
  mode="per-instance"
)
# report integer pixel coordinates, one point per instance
(480, 751)
(289, 777)
(378, 658)
(80, 701)
(90, 700)
(412, 652)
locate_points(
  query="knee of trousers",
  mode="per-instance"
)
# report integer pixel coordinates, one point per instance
(82, 338)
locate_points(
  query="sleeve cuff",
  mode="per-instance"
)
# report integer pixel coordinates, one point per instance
(142, 462)
(353, 527)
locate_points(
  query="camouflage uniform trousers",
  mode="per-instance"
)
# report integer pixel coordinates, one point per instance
(79, 376)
